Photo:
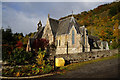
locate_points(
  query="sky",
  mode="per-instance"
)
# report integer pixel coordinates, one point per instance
(23, 16)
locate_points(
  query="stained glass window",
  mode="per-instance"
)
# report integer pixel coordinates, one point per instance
(73, 37)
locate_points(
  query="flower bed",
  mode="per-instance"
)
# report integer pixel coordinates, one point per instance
(41, 66)
(28, 70)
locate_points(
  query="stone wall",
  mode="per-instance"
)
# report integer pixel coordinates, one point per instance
(72, 48)
(86, 56)
(47, 33)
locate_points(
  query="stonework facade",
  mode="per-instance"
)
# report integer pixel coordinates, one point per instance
(70, 41)
(66, 34)
(66, 39)
(47, 33)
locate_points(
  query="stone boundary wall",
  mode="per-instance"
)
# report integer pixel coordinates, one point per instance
(86, 56)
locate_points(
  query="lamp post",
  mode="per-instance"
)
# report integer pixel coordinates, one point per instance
(67, 47)
(66, 43)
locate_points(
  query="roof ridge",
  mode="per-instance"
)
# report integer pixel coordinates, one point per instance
(65, 18)
(54, 19)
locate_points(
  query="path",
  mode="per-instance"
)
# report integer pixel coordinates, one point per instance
(101, 69)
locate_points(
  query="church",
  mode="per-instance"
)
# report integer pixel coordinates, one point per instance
(66, 34)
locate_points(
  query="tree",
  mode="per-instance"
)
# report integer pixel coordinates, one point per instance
(115, 9)
(40, 43)
(116, 30)
(8, 43)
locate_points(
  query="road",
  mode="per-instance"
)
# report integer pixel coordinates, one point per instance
(102, 69)
(0, 67)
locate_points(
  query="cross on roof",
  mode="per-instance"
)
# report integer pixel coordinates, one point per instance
(72, 13)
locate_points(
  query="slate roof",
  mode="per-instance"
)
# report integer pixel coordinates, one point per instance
(39, 33)
(93, 37)
(54, 25)
(60, 27)
(66, 24)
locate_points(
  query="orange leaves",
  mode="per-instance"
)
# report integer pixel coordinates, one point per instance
(116, 30)
(102, 35)
(19, 44)
(18, 74)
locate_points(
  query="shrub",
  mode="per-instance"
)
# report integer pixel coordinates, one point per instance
(40, 43)
(40, 57)
(20, 56)
(6, 52)
(114, 45)
(42, 62)
(36, 70)
(19, 44)
(47, 68)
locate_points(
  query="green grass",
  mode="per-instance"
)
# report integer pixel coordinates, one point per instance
(76, 65)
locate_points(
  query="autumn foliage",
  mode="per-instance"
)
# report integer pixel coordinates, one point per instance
(40, 43)
(19, 44)
(102, 21)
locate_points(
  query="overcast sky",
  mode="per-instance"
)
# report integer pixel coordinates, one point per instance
(24, 16)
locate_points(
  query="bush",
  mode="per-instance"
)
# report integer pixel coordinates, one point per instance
(6, 52)
(20, 56)
(27, 70)
(42, 62)
(114, 45)
(47, 68)
(40, 43)
(40, 57)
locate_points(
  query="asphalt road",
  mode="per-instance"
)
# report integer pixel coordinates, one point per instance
(102, 69)
(0, 67)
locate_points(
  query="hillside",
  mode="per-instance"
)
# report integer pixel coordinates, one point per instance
(102, 21)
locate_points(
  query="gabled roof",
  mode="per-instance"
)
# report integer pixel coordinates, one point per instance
(60, 27)
(54, 25)
(66, 24)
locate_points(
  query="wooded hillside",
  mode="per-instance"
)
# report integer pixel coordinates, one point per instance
(102, 21)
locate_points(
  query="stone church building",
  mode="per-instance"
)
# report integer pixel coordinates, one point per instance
(68, 36)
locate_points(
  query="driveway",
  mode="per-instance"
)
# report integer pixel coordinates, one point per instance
(101, 69)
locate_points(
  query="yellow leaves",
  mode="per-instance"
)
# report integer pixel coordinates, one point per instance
(44, 51)
(113, 40)
(113, 17)
(18, 74)
(113, 20)
(34, 65)
(103, 35)
(116, 31)
(40, 57)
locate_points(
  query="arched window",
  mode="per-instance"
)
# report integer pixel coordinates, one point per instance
(73, 37)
